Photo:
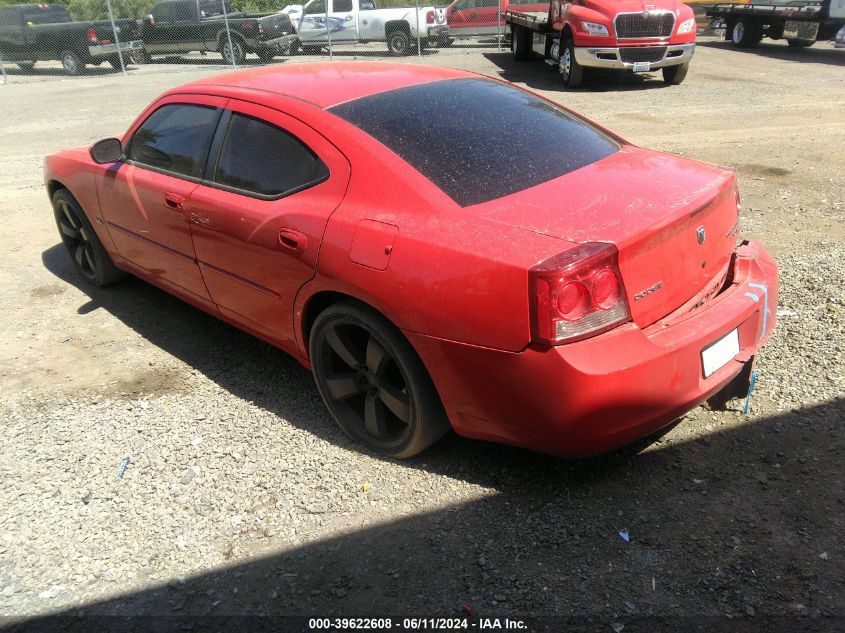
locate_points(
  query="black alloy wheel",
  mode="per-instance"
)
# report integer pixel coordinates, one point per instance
(89, 257)
(373, 383)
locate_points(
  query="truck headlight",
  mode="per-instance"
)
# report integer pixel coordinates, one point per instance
(686, 26)
(594, 29)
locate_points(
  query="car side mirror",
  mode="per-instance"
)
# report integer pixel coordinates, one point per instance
(107, 151)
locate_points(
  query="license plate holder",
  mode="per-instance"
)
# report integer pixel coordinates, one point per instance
(719, 353)
(642, 67)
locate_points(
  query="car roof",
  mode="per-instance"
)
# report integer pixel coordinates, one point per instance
(327, 84)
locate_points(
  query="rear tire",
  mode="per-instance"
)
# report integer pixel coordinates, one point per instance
(139, 58)
(89, 257)
(115, 62)
(72, 63)
(799, 43)
(746, 33)
(571, 71)
(373, 383)
(234, 55)
(520, 43)
(398, 43)
(673, 75)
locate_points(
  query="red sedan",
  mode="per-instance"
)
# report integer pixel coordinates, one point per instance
(442, 249)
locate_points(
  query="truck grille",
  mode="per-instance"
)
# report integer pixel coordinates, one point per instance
(644, 24)
(634, 54)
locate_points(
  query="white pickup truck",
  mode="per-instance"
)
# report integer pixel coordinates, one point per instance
(353, 21)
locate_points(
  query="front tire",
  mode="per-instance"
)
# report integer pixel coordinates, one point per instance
(571, 71)
(746, 33)
(89, 257)
(373, 383)
(673, 75)
(399, 43)
(72, 63)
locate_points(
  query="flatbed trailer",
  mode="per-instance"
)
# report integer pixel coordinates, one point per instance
(800, 22)
(575, 37)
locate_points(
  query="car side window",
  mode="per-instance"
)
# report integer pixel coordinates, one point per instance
(162, 13)
(175, 138)
(261, 158)
(342, 6)
(463, 5)
(367, 5)
(316, 7)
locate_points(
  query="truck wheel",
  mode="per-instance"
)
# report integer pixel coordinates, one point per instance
(266, 56)
(799, 43)
(444, 41)
(26, 66)
(72, 63)
(520, 39)
(292, 47)
(746, 33)
(570, 70)
(673, 75)
(115, 62)
(235, 54)
(398, 43)
(139, 58)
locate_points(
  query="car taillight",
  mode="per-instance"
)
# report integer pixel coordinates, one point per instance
(261, 29)
(429, 17)
(577, 294)
(91, 35)
(248, 25)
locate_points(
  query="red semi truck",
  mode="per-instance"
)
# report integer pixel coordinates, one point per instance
(634, 35)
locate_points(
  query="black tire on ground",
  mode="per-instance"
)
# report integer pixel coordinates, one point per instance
(799, 43)
(26, 66)
(746, 33)
(86, 251)
(444, 41)
(72, 63)
(521, 43)
(373, 383)
(570, 70)
(398, 42)
(266, 56)
(311, 49)
(115, 62)
(673, 75)
(292, 47)
(236, 54)
(138, 58)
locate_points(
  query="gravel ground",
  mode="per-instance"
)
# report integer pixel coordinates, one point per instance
(241, 496)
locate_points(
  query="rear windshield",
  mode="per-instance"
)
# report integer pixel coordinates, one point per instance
(478, 139)
(46, 14)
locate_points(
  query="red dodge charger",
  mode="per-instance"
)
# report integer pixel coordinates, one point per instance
(442, 249)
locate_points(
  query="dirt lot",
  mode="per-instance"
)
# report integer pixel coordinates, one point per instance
(241, 496)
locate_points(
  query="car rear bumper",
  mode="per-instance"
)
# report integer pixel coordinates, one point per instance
(604, 392)
(611, 57)
(100, 50)
(278, 43)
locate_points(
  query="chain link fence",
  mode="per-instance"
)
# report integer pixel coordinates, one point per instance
(120, 36)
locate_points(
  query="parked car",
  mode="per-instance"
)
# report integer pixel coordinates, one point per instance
(353, 21)
(570, 295)
(185, 26)
(30, 33)
(467, 18)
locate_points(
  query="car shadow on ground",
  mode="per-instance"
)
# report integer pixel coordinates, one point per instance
(737, 530)
(540, 76)
(819, 53)
(57, 71)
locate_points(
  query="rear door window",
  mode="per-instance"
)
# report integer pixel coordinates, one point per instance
(260, 158)
(175, 138)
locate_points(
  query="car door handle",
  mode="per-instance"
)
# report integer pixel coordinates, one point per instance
(174, 201)
(292, 240)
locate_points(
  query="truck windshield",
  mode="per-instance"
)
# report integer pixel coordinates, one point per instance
(478, 139)
(46, 14)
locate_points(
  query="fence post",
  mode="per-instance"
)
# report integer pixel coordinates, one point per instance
(499, 26)
(3, 69)
(116, 38)
(328, 30)
(419, 46)
(228, 33)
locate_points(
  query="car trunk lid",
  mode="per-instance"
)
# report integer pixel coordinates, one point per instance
(673, 221)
